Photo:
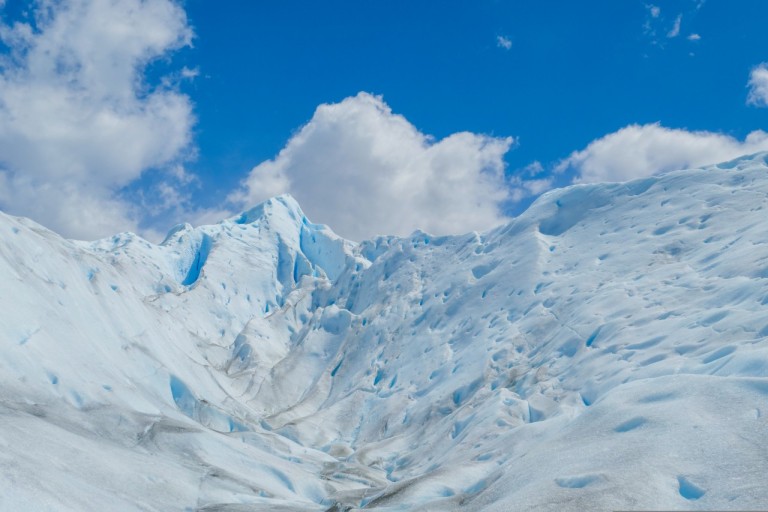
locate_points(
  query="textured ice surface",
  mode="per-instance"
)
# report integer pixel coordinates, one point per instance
(605, 350)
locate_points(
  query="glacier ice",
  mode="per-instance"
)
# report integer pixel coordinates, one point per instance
(605, 350)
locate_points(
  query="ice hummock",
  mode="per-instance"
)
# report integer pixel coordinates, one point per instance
(605, 350)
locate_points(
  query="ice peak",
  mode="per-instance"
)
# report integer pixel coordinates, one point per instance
(281, 206)
(176, 231)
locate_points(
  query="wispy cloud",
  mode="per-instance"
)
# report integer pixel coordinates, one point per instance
(365, 171)
(637, 151)
(758, 86)
(675, 30)
(503, 42)
(658, 28)
(531, 180)
(651, 21)
(533, 169)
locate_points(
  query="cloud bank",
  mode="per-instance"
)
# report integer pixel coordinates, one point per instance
(364, 171)
(637, 151)
(77, 120)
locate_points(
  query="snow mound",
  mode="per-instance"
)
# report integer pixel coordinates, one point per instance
(605, 350)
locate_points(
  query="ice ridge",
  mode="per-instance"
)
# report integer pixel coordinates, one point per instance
(607, 349)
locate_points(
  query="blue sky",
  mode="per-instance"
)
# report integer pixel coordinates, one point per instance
(573, 73)
(471, 108)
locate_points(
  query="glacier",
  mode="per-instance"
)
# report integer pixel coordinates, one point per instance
(605, 350)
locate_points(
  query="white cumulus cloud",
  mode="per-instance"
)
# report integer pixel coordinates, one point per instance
(758, 86)
(77, 120)
(637, 151)
(364, 171)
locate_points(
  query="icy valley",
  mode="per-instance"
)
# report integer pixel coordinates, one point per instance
(605, 350)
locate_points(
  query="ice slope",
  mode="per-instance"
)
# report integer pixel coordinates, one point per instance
(605, 350)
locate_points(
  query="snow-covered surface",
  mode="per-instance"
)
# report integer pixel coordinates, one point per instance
(606, 350)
